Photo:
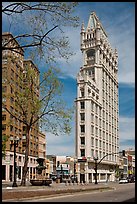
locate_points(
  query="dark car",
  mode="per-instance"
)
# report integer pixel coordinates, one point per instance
(131, 179)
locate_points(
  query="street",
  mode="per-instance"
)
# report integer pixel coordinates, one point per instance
(121, 193)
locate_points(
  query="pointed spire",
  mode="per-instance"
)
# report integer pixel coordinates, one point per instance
(91, 22)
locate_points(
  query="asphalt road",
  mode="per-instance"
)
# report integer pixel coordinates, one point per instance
(122, 193)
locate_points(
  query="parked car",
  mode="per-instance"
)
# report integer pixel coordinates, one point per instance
(123, 180)
(131, 179)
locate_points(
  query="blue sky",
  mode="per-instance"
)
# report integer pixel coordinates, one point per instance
(118, 20)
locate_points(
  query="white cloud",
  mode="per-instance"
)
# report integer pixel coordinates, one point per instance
(60, 145)
(127, 128)
(127, 133)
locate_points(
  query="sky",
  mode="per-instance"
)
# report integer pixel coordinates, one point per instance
(118, 20)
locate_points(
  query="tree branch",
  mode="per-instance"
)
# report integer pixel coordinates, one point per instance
(27, 45)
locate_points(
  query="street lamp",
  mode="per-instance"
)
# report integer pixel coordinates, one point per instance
(15, 166)
(95, 159)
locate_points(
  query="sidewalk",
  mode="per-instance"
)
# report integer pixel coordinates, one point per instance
(22, 192)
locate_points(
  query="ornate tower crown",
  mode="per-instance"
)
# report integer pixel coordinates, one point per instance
(94, 23)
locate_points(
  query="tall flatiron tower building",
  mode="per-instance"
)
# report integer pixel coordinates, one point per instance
(97, 112)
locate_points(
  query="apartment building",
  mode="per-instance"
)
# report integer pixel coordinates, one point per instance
(13, 67)
(97, 111)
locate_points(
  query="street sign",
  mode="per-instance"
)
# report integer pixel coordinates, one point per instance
(83, 159)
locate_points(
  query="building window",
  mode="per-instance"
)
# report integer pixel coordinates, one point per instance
(99, 122)
(11, 157)
(96, 108)
(92, 152)
(11, 147)
(92, 106)
(91, 56)
(96, 120)
(3, 127)
(82, 116)
(19, 158)
(24, 144)
(92, 141)
(89, 92)
(11, 128)
(82, 140)
(100, 143)
(24, 128)
(96, 131)
(92, 129)
(82, 152)
(89, 72)
(92, 117)
(20, 149)
(96, 143)
(82, 92)
(82, 105)
(82, 127)
(3, 117)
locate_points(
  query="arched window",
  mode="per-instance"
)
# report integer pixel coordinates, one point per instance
(90, 56)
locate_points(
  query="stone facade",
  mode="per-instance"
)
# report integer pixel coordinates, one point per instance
(97, 112)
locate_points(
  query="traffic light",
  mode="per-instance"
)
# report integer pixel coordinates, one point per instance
(123, 153)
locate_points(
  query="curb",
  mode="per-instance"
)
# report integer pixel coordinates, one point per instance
(59, 192)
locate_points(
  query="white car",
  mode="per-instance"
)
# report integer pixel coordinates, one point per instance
(123, 180)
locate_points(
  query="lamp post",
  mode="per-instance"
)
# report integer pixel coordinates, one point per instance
(95, 159)
(15, 166)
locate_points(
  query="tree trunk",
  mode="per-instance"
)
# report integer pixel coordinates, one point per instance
(25, 169)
